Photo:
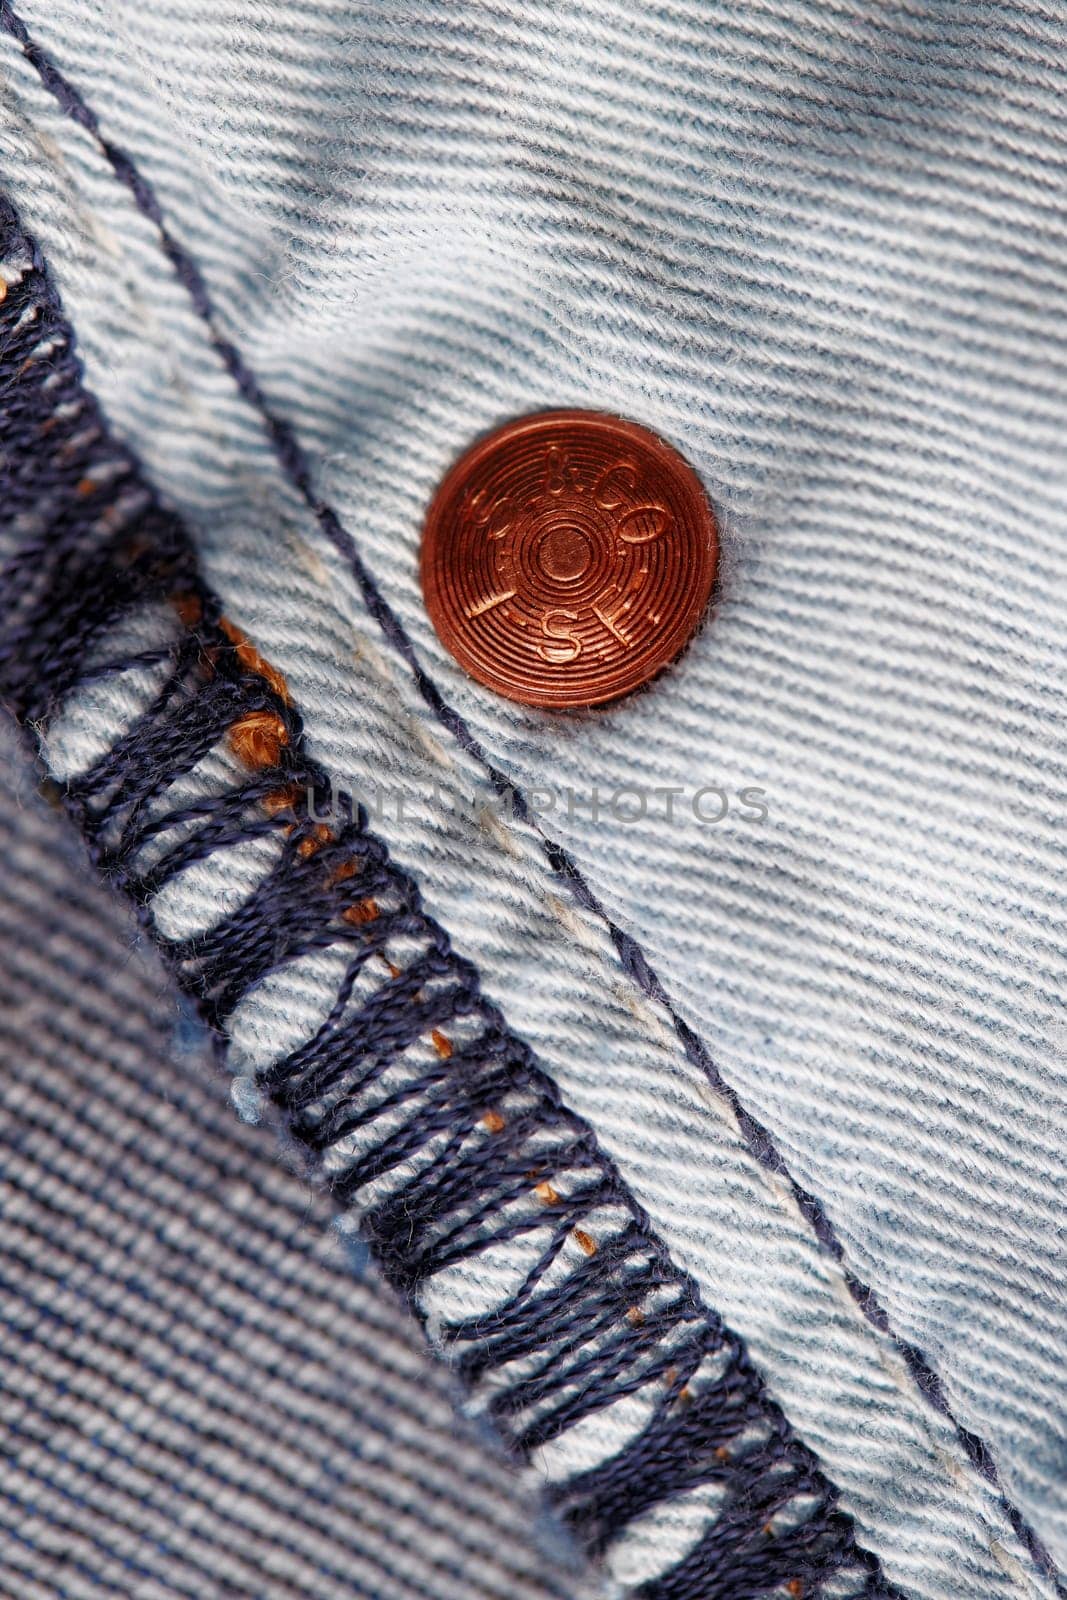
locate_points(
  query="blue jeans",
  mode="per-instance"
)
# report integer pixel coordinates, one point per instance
(307, 260)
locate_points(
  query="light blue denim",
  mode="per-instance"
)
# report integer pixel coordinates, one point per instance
(822, 252)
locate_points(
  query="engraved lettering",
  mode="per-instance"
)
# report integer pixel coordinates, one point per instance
(633, 526)
(495, 516)
(487, 605)
(559, 474)
(625, 475)
(565, 558)
(610, 618)
(553, 625)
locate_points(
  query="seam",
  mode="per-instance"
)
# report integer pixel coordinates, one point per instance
(638, 969)
(777, 1183)
(447, 1144)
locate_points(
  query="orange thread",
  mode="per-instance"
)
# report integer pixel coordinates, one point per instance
(280, 800)
(442, 1045)
(795, 1587)
(493, 1121)
(314, 841)
(721, 1453)
(252, 661)
(364, 911)
(86, 487)
(258, 738)
(635, 1317)
(586, 1241)
(544, 1191)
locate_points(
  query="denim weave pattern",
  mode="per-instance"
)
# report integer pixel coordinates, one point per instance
(453, 1150)
(820, 253)
(201, 1393)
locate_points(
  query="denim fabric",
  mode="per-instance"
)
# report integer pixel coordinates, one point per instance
(819, 252)
(370, 1043)
(202, 1391)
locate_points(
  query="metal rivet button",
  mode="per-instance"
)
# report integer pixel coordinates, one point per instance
(567, 557)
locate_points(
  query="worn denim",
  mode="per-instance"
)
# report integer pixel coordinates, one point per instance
(204, 1388)
(822, 253)
(368, 1039)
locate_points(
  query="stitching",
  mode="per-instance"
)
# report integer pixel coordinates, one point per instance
(758, 1139)
(635, 964)
(453, 1156)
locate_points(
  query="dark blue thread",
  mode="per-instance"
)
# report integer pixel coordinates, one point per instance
(584, 1346)
(294, 463)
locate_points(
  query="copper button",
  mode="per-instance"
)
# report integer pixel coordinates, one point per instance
(567, 557)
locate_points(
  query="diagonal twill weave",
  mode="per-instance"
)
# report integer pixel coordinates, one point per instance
(413, 1101)
(863, 271)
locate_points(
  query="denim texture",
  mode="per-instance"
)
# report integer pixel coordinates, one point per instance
(205, 1390)
(819, 252)
(386, 1069)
